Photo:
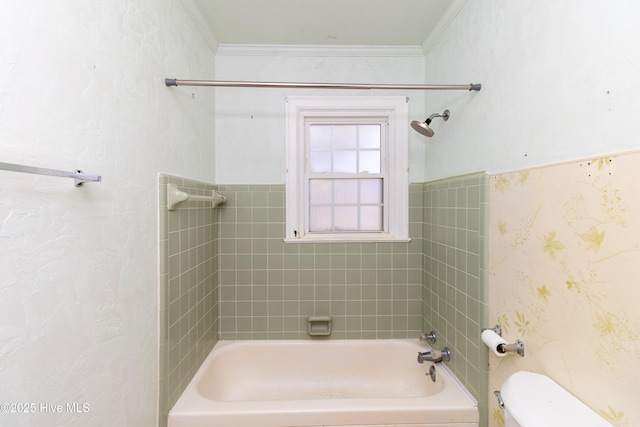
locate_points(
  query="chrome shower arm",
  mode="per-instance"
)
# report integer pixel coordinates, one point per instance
(444, 115)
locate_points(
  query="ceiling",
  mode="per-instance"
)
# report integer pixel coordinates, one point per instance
(321, 22)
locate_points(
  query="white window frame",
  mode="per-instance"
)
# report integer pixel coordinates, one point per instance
(395, 111)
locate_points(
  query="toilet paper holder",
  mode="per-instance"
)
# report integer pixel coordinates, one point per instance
(516, 347)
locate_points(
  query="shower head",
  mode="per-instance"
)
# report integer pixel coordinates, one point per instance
(423, 127)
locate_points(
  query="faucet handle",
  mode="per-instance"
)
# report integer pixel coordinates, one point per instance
(446, 354)
(430, 337)
(435, 356)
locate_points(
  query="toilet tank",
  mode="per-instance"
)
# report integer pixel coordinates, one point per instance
(534, 400)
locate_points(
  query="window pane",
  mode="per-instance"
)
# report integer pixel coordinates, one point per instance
(344, 161)
(371, 191)
(369, 162)
(320, 162)
(320, 218)
(371, 218)
(346, 218)
(344, 137)
(320, 137)
(320, 191)
(369, 136)
(346, 191)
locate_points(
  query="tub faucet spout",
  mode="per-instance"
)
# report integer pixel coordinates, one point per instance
(435, 356)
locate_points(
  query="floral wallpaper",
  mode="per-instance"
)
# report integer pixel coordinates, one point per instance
(565, 279)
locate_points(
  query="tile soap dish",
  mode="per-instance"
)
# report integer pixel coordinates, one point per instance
(319, 325)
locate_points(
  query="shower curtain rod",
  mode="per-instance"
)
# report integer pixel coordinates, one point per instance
(220, 83)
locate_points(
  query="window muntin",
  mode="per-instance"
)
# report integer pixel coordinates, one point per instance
(345, 205)
(345, 176)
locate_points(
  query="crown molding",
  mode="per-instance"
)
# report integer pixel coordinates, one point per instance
(443, 23)
(318, 50)
(196, 16)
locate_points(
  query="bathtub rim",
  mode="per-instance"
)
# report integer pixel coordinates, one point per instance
(421, 347)
(191, 404)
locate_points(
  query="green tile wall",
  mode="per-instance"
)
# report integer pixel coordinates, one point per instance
(188, 293)
(227, 274)
(455, 275)
(268, 287)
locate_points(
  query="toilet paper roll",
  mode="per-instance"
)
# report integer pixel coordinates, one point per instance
(493, 340)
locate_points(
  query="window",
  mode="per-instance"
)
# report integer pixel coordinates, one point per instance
(347, 177)
(344, 176)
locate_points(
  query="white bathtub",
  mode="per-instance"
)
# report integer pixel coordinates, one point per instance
(321, 383)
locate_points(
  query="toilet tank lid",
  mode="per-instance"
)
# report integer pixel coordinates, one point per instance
(536, 400)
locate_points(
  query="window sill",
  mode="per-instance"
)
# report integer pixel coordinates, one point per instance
(348, 239)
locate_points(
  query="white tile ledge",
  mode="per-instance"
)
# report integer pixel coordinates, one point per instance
(349, 239)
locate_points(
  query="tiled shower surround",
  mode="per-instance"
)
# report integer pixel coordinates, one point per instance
(188, 288)
(258, 287)
(268, 287)
(455, 291)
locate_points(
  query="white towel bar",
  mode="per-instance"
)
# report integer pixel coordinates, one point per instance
(175, 197)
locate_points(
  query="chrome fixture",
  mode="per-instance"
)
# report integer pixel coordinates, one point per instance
(497, 329)
(435, 356)
(423, 127)
(430, 337)
(78, 175)
(300, 85)
(516, 347)
(432, 373)
(500, 348)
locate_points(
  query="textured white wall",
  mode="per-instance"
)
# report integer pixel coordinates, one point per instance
(82, 87)
(250, 122)
(560, 82)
